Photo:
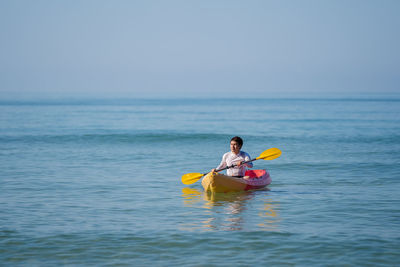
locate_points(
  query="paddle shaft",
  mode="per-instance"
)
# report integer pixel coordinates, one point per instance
(268, 154)
(232, 166)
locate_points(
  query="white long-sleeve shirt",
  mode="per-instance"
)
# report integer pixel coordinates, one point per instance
(230, 158)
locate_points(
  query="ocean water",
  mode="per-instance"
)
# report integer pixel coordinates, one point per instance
(98, 182)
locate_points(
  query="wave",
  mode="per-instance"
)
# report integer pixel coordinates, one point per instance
(342, 139)
(114, 138)
(154, 137)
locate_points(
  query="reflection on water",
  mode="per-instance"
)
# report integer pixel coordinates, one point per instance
(270, 216)
(190, 196)
(247, 210)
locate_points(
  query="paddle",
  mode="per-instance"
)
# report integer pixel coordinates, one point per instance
(268, 154)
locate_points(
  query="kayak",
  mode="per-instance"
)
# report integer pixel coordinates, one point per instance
(219, 183)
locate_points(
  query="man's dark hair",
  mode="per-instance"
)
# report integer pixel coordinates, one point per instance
(238, 140)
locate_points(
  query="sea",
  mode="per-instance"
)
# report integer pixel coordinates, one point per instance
(97, 182)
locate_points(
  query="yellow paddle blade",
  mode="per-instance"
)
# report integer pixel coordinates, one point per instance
(270, 154)
(191, 178)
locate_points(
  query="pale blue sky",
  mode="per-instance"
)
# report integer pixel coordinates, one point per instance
(198, 48)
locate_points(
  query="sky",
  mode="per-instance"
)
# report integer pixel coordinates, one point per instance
(203, 48)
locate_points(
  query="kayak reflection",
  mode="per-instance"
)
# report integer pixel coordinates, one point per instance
(229, 211)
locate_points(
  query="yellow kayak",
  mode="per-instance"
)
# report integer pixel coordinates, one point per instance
(219, 183)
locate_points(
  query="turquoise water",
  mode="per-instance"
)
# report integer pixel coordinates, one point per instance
(97, 182)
